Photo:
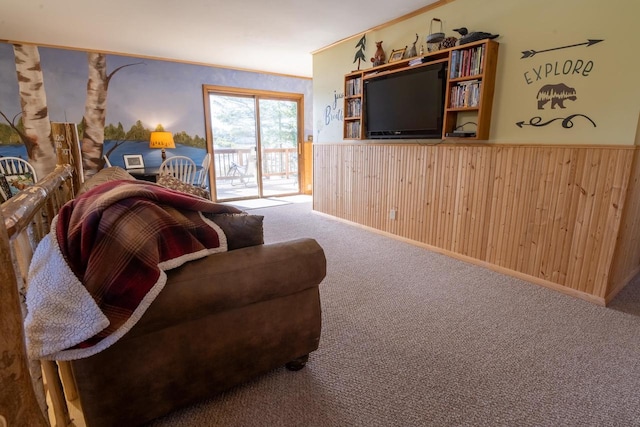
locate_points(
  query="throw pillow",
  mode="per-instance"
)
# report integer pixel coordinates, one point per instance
(5, 191)
(19, 182)
(242, 230)
(175, 184)
(104, 175)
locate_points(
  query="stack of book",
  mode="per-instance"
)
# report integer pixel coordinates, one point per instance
(354, 108)
(354, 86)
(353, 130)
(465, 94)
(466, 62)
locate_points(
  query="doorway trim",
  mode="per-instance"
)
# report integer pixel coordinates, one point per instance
(256, 94)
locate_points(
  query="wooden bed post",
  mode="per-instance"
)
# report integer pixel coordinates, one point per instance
(67, 145)
(18, 402)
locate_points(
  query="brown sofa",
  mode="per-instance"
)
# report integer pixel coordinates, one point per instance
(218, 322)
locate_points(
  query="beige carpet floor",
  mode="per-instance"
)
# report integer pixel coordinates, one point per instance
(414, 338)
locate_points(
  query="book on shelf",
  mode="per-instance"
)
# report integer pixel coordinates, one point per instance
(466, 62)
(353, 129)
(354, 108)
(354, 86)
(465, 94)
(453, 68)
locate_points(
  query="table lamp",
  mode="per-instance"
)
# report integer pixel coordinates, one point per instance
(161, 140)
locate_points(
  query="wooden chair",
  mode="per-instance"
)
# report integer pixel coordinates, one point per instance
(180, 167)
(16, 166)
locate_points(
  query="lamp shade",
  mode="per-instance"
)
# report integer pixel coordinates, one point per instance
(161, 140)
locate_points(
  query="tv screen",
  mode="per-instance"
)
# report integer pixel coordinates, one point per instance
(406, 104)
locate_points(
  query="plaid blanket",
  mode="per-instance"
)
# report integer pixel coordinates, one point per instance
(116, 240)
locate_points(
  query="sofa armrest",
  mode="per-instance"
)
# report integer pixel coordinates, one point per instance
(232, 279)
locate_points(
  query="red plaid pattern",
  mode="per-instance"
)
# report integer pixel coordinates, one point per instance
(117, 238)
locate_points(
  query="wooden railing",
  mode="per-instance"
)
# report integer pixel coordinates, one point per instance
(275, 161)
(24, 220)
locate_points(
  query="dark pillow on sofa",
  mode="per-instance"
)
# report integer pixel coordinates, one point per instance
(242, 230)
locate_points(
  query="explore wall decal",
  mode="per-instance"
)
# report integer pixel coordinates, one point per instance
(557, 95)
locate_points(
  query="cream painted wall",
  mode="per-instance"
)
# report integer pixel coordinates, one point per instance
(606, 85)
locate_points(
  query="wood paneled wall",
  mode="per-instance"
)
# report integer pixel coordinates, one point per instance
(552, 215)
(626, 259)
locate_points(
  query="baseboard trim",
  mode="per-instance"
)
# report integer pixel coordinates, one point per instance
(534, 280)
(621, 285)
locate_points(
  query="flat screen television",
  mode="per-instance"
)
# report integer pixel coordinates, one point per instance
(406, 104)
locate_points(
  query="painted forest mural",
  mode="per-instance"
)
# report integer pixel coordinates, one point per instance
(112, 99)
(36, 128)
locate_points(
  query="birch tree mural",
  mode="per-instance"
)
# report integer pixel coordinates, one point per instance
(95, 112)
(35, 116)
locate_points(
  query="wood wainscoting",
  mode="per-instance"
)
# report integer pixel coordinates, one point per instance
(565, 217)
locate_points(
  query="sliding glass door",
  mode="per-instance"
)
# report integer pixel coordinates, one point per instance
(279, 146)
(233, 126)
(254, 139)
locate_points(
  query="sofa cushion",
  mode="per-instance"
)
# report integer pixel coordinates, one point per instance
(175, 184)
(242, 229)
(113, 173)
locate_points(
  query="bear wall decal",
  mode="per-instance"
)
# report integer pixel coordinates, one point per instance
(556, 94)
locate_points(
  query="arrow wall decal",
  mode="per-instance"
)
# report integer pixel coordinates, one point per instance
(567, 122)
(531, 53)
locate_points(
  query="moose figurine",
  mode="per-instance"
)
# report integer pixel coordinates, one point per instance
(379, 56)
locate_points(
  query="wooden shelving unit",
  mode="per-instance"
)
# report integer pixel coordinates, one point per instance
(470, 87)
(481, 78)
(353, 126)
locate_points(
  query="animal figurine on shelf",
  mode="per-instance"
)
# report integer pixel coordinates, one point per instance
(411, 52)
(378, 57)
(474, 36)
(448, 42)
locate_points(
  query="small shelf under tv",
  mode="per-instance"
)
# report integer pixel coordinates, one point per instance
(469, 88)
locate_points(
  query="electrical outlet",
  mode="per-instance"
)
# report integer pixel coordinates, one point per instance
(392, 214)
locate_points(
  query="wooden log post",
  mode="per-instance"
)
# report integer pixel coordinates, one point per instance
(65, 136)
(18, 403)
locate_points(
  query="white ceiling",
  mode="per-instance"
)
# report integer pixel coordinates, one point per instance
(264, 35)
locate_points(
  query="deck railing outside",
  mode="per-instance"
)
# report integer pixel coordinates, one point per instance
(275, 161)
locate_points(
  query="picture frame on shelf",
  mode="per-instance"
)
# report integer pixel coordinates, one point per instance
(396, 55)
(133, 161)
